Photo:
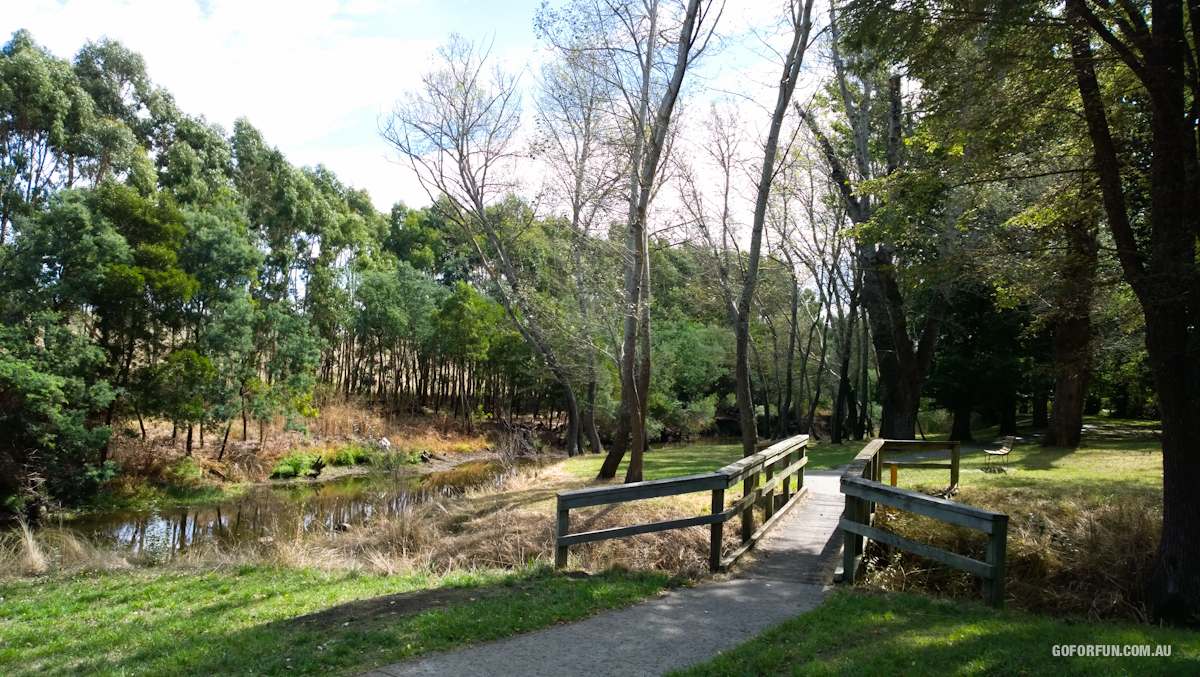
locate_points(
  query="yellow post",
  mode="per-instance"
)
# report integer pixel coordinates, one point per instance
(894, 468)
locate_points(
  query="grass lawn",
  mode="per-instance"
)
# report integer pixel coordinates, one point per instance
(245, 621)
(864, 633)
(702, 457)
(1109, 462)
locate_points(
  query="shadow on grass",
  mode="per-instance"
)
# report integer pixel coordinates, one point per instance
(206, 625)
(1037, 458)
(862, 633)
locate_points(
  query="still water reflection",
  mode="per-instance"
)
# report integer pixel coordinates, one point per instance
(280, 511)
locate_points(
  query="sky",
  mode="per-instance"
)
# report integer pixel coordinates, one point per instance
(314, 76)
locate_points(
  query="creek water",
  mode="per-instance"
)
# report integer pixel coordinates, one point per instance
(278, 510)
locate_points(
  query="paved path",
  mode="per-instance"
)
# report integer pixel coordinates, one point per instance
(789, 575)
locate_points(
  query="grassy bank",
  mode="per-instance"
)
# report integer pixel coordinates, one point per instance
(1083, 528)
(865, 633)
(265, 620)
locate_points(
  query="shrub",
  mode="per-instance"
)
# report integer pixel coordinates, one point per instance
(295, 464)
(185, 471)
(351, 454)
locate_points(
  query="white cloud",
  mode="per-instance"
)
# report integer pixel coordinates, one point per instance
(313, 75)
(298, 70)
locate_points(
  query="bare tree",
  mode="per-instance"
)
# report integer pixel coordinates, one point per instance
(456, 132)
(631, 43)
(578, 144)
(800, 24)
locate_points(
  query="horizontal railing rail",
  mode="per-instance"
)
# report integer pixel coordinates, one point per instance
(863, 490)
(775, 466)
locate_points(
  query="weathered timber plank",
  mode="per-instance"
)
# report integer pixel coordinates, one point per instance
(938, 508)
(993, 588)
(858, 467)
(775, 518)
(935, 466)
(618, 532)
(561, 529)
(739, 470)
(620, 493)
(716, 536)
(770, 484)
(971, 566)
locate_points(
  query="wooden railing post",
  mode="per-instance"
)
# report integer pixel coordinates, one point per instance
(850, 544)
(800, 473)
(716, 536)
(563, 526)
(748, 488)
(993, 588)
(787, 481)
(769, 504)
(955, 454)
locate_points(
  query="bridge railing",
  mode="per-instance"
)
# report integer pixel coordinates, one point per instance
(863, 491)
(766, 479)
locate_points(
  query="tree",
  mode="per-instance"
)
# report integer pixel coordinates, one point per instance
(1160, 264)
(49, 399)
(627, 45)
(800, 24)
(1144, 157)
(455, 133)
(579, 143)
(43, 112)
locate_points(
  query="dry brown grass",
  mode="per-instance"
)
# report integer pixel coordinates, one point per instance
(495, 526)
(252, 459)
(1069, 556)
(501, 527)
(347, 421)
(505, 526)
(36, 552)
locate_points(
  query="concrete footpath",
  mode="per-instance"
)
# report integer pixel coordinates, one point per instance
(789, 575)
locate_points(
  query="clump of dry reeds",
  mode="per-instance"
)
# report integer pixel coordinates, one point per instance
(1068, 556)
(504, 525)
(27, 551)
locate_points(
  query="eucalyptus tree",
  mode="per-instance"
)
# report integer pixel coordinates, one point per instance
(43, 113)
(457, 132)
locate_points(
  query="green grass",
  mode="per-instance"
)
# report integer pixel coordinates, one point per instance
(185, 623)
(860, 633)
(1104, 466)
(695, 458)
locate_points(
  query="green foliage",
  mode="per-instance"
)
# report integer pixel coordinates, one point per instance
(295, 464)
(43, 114)
(185, 471)
(351, 454)
(49, 395)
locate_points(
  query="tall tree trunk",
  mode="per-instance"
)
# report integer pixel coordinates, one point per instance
(1162, 271)
(960, 430)
(1073, 336)
(1008, 414)
(801, 20)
